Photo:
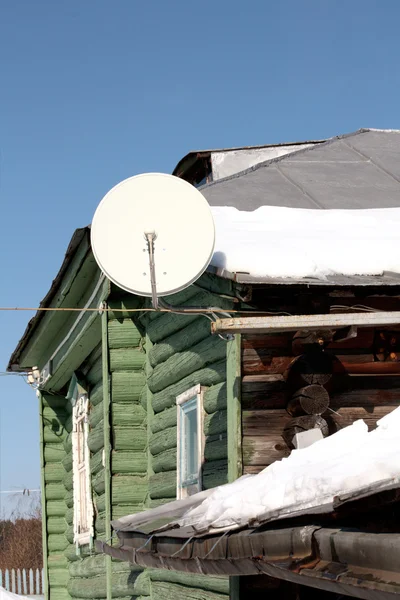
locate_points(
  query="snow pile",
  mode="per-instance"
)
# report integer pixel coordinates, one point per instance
(308, 480)
(293, 242)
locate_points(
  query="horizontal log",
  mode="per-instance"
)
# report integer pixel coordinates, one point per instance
(215, 398)
(261, 394)
(56, 542)
(96, 415)
(69, 534)
(163, 485)
(89, 567)
(53, 453)
(123, 334)
(310, 400)
(127, 359)
(183, 364)
(67, 461)
(55, 508)
(212, 584)
(127, 386)
(54, 433)
(58, 577)
(164, 419)
(94, 374)
(187, 337)
(264, 422)
(129, 438)
(215, 473)
(55, 401)
(128, 415)
(96, 394)
(215, 423)
(58, 414)
(208, 376)
(128, 462)
(98, 483)
(366, 391)
(69, 498)
(57, 561)
(171, 591)
(67, 443)
(69, 516)
(56, 525)
(119, 305)
(165, 461)
(163, 440)
(55, 491)
(123, 584)
(96, 438)
(68, 424)
(144, 398)
(68, 480)
(97, 462)
(71, 556)
(100, 501)
(53, 472)
(263, 450)
(216, 449)
(100, 523)
(122, 510)
(345, 416)
(276, 341)
(128, 489)
(301, 424)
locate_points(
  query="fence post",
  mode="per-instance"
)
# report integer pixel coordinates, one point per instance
(31, 586)
(24, 586)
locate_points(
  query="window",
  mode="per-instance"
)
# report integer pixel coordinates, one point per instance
(83, 506)
(190, 441)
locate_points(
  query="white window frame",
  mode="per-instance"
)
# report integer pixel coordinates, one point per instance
(198, 393)
(83, 504)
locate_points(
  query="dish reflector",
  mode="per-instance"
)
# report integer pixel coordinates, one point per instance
(175, 211)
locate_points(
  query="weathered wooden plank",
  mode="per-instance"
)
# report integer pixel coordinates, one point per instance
(164, 419)
(187, 337)
(366, 391)
(212, 584)
(216, 449)
(163, 485)
(126, 359)
(234, 424)
(211, 375)
(215, 473)
(129, 438)
(96, 437)
(165, 461)
(128, 489)
(344, 416)
(128, 415)
(58, 577)
(163, 440)
(263, 450)
(54, 434)
(50, 413)
(123, 334)
(215, 423)
(57, 561)
(183, 364)
(128, 462)
(127, 386)
(121, 510)
(215, 398)
(263, 394)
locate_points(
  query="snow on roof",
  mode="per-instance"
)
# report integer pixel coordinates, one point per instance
(305, 243)
(308, 481)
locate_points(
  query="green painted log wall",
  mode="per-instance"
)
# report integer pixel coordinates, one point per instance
(184, 354)
(128, 420)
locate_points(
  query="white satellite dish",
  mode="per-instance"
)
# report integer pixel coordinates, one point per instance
(157, 214)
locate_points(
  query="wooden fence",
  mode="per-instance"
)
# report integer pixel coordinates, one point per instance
(26, 582)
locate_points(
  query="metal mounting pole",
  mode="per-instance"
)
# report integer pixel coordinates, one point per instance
(151, 236)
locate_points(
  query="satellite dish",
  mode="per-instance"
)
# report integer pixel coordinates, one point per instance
(158, 213)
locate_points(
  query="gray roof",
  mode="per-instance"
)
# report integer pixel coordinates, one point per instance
(358, 170)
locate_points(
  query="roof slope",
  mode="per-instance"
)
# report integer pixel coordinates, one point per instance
(359, 170)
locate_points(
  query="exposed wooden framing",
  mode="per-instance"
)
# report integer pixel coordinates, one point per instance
(107, 444)
(234, 427)
(43, 502)
(233, 382)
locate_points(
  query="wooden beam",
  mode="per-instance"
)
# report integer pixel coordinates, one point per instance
(234, 409)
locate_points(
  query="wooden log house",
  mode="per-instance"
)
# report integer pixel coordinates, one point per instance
(108, 378)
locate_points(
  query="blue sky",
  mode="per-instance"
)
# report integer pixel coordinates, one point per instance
(94, 91)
